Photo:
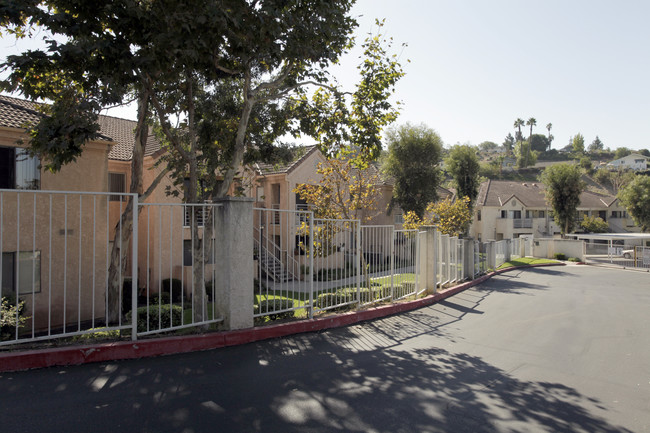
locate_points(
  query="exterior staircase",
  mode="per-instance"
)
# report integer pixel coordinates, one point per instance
(269, 259)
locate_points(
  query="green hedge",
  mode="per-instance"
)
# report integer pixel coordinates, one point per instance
(159, 317)
(272, 305)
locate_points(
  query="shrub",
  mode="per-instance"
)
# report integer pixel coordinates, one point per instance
(99, 334)
(574, 259)
(158, 317)
(11, 316)
(162, 298)
(326, 300)
(272, 305)
(174, 287)
(560, 256)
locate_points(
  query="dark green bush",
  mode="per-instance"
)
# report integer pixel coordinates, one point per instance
(574, 259)
(156, 298)
(271, 305)
(560, 256)
(158, 317)
(174, 287)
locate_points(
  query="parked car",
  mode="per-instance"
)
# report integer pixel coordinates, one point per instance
(628, 254)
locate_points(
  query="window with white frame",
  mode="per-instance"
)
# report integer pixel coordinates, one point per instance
(19, 169)
(21, 272)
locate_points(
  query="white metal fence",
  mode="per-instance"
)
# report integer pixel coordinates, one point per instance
(59, 278)
(626, 256)
(54, 268)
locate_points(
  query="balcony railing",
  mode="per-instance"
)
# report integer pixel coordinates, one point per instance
(523, 223)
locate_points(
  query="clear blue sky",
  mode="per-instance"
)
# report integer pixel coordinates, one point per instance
(477, 65)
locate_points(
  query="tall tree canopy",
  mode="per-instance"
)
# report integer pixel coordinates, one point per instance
(563, 188)
(578, 143)
(463, 165)
(172, 57)
(636, 199)
(413, 161)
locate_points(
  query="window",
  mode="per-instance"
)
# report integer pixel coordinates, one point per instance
(21, 271)
(200, 212)
(399, 218)
(504, 214)
(117, 184)
(187, 252)
(516, 214)
(478, 215)
(19, 170)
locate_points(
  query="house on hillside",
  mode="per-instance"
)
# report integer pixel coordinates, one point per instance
(634, 161)
(509, 209)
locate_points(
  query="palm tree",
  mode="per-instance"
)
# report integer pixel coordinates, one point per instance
(550, 137)
(532, 122)
(518, 124)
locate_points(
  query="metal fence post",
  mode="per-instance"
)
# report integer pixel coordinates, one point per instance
(134, 269)
(310, 217)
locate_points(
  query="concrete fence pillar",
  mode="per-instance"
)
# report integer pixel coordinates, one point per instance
(234, 246)
(491, 252)
(468, 259)
(428, 259)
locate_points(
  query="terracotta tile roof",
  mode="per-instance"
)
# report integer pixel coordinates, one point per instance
(15, 113)
(531, 194)
(301, 153)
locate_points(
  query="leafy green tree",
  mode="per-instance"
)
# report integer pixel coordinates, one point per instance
(586, 164)
(578, 144)
(539, 143)
(488, 145)
(591, 224)
(167, 56)
(509, 142)
(563, 188)
(413, 161)
(622, 152)
(636, 199)
(451, 218)
(645, 152)
(463, 165)
(525, 156)
(614, 179)
(596, 145)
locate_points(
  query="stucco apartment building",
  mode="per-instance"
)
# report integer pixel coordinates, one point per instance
(509, 209)
(55, 243)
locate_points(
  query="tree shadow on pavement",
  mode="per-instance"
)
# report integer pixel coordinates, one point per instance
(377, 377)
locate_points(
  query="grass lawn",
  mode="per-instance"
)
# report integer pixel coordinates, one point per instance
(523, 261)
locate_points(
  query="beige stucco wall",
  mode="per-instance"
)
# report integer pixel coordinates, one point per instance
(69, 231)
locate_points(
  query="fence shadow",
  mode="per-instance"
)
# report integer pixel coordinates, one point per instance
(308, 384)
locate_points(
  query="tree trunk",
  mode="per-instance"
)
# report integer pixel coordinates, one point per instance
(123, 230)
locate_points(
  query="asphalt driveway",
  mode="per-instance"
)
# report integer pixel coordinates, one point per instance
(562, 349)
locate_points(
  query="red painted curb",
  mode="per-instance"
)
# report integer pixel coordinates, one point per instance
(16, 361)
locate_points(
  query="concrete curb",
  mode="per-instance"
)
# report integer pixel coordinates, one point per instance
(25, 360)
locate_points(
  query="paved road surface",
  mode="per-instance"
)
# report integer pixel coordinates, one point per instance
(562, 349)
